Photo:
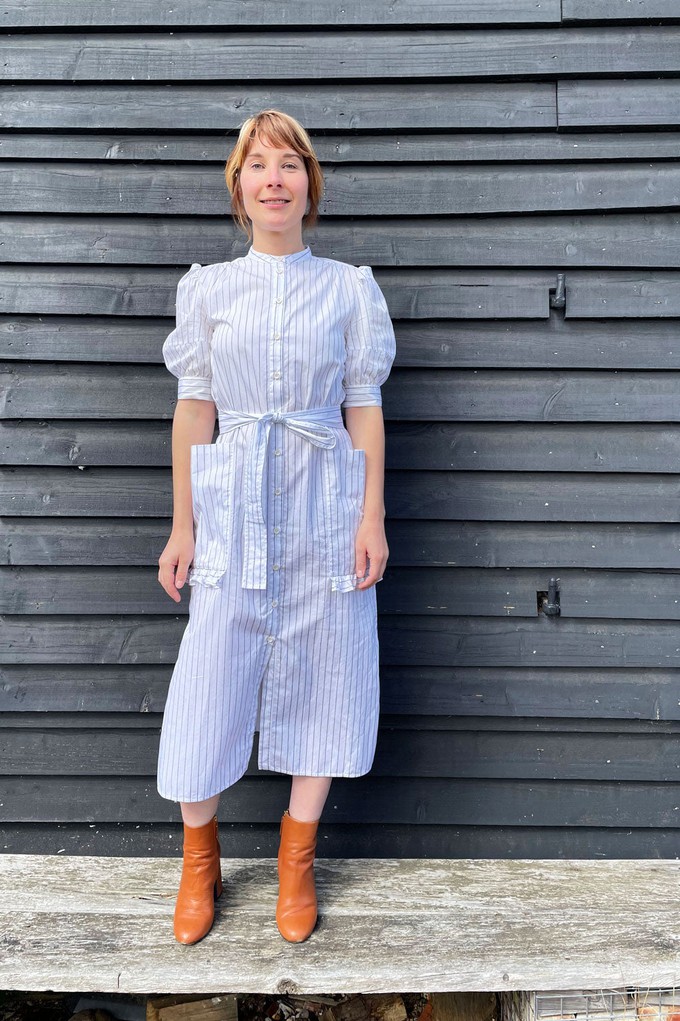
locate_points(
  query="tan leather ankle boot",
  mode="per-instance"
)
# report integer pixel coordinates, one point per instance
(296, 906)
(201, 883)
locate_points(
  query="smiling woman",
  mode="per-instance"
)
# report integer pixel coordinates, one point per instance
(289, 513)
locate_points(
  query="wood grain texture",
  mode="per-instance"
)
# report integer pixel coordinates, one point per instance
(388, 104)
(350, 54)
(585, 696)
(40, 390)
(382, 840)
(613, 10)
(644, 239)
(449, 591)
(446, 925)
(417, 294)
(337, 146)
(472, 189)
(538, 754)
(440, 446)
(596, 103)
(446, 496)
(442, 343)
(245, 13)
(406, 801)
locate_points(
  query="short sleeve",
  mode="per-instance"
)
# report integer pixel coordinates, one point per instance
(370, 343)
(186, 350)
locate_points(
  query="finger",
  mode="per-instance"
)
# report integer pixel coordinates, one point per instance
(181, 575)
(166, 580)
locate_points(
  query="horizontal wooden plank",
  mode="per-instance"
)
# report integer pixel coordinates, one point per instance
(335, 147)
(122, 911)
(247, 13)
(454, 592)
(472, 189)
(448, 496)
(615, 294)
(594, 103)
(439, 446)
(614, 10)
(362, 800)
(583, 695)
(473, 641)
(473, 294)
(644, 240)
(107, 840)
(114, 543)
(109, 392)
(405, 723)
(424, 641)
(552, 343)
(399, 753)
(348, 54)
(389, 104)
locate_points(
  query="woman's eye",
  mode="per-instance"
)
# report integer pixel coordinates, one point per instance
(293, 165)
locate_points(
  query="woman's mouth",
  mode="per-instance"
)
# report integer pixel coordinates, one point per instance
(275, 202)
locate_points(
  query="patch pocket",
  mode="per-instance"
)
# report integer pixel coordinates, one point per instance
(212, 470)
(344, 491)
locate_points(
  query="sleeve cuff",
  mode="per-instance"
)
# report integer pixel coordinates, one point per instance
(195, 388)
(362, 396)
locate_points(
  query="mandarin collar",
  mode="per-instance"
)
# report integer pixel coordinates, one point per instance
(305, 253)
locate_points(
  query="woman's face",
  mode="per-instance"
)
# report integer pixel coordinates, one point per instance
(274, 186)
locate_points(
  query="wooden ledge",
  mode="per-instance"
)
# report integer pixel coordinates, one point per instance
(404, 925)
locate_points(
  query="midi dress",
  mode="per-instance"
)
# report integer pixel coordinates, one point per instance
(279, 640)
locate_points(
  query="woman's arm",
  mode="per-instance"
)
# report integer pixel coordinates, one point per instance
(193, 422)
(367, 430)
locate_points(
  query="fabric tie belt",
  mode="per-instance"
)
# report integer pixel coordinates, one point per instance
(314, 424)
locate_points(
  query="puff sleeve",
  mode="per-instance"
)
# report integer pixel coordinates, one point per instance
(186, 350)
(370, 343)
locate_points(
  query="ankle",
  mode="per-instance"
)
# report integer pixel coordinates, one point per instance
(297, 818)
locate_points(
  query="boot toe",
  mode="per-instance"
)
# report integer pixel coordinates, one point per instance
(294, 928)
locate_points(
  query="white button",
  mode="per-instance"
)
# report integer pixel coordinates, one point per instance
(278, 300)
(277, 336)
(279, 269)
(270, 639)
(277, 452)
(276, 529)
(277, 491)
(275, 567)
(275, 602)
(276, 375)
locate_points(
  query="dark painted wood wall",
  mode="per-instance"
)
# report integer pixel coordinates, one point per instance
(510, 171)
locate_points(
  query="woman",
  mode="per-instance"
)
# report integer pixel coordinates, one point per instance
(289, 512)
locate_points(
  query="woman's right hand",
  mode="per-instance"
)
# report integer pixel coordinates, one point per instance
(175, 561)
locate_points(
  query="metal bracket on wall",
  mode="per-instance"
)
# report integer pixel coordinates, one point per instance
(549, 602)
(558, 299)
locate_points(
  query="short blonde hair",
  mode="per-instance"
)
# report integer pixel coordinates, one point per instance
(276, 129)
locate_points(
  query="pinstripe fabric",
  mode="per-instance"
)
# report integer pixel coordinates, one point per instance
(279, 639)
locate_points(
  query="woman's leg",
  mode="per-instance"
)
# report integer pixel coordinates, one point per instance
(198, 813)
(308, 796)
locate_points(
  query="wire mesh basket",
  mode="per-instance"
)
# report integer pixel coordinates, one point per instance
(625, 1004)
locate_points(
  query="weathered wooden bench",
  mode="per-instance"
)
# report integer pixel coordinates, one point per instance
(105, 924)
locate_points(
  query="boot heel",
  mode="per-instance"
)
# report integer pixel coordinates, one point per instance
(218, 887)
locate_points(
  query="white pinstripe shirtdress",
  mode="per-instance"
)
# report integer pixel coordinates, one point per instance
(278, 638)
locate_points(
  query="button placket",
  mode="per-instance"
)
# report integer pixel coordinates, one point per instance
(276, 354)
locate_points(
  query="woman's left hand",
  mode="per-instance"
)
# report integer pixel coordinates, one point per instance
(371, 544)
